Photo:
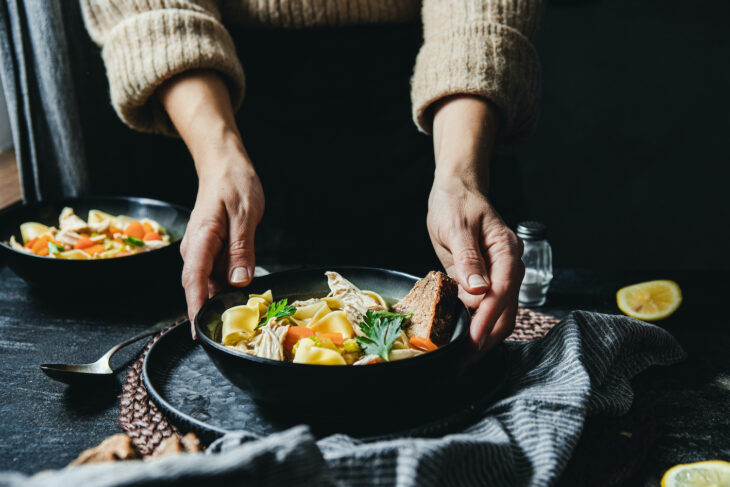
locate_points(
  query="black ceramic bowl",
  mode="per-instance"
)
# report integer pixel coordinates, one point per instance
(338, 388)
(132, 272)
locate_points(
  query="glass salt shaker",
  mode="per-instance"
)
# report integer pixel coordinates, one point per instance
(538, 260)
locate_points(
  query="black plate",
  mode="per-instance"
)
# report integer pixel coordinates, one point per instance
(404, 382)
(195, 396)
(149, 268)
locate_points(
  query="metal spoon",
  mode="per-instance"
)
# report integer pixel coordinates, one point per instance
(99, 370)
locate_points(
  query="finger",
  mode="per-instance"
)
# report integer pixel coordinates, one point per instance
(219, 277)
(506, 275)
(198, 265)
(502, 329)
(241, 257)
(469, 266)
(214, 287)
(471, 301)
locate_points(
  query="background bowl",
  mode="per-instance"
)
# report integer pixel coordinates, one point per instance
(339, 389)
(133, 272)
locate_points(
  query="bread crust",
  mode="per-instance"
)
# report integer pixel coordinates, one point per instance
(432, 300)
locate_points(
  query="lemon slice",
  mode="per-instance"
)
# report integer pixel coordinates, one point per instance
(651, 300)
(713, 473)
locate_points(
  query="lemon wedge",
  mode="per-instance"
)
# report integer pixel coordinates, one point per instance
(651, 300)
(713, 473)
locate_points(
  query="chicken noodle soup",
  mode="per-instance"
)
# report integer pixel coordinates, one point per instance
(101, 236)
(349, 326)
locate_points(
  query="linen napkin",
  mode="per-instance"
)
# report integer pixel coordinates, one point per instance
(581, 367)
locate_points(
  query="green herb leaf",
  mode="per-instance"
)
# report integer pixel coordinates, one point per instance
(278, 309)
(55, 249)
(133, 241)
(382, 331)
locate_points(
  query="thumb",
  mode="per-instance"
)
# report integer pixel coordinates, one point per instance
(241, 258)
(469, 265)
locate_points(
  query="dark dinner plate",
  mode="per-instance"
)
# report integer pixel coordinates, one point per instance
(146, 270)
(403, 384)
(195, 396)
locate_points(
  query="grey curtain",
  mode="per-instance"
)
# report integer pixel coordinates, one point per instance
(44, 115)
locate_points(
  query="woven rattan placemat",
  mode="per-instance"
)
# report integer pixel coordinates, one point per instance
(619, 444)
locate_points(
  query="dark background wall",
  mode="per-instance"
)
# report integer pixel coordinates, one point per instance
(629, 164)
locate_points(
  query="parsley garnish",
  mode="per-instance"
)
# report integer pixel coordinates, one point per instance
(382, 329)
(279, 309)
(133, 241)
(54, 248)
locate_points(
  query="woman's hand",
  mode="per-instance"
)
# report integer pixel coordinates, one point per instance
(218, 246)
(470, 238)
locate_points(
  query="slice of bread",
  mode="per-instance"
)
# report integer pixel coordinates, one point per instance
(433, 303)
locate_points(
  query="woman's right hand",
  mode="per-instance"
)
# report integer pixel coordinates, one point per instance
(218, 243)
(218, 246)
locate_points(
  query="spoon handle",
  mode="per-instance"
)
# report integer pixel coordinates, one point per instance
(160, 325)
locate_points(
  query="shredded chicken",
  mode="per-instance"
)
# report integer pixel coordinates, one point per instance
(403, 353)
(14, 244)
(152, 245)
(100, 227)
(68, 220)
(67, 237)
(306, 302)
(367, 359)
(269, 343)
(355, 302)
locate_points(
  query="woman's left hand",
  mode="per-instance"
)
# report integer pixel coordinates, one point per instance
(472, 242)
(481, 253)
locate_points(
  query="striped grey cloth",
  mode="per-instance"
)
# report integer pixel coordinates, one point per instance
(581, 367)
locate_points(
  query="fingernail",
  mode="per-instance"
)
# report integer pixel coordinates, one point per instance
(240, 275)
(477, 281)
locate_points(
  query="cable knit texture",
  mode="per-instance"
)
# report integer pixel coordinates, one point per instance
(480, 47)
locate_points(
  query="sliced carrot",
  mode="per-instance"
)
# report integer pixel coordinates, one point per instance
(40, 244)
(29, 245)
(94, 249)
(422, 343)
(147, 227)
(83, 243)
(85, 235)
(294, 334)
(335, 337)
(135, 229)
(113, 229)
(43, 252)
(151, 236)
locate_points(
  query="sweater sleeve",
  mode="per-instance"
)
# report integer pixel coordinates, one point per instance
(145, 42)
(480, 47)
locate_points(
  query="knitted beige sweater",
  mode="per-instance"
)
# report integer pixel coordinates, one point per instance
(480, 47)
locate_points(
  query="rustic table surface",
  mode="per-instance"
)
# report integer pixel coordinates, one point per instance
(45, 424)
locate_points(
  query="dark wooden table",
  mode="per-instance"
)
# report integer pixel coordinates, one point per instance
(44, 424)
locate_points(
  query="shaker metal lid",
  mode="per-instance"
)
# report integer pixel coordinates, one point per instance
(532, 230)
